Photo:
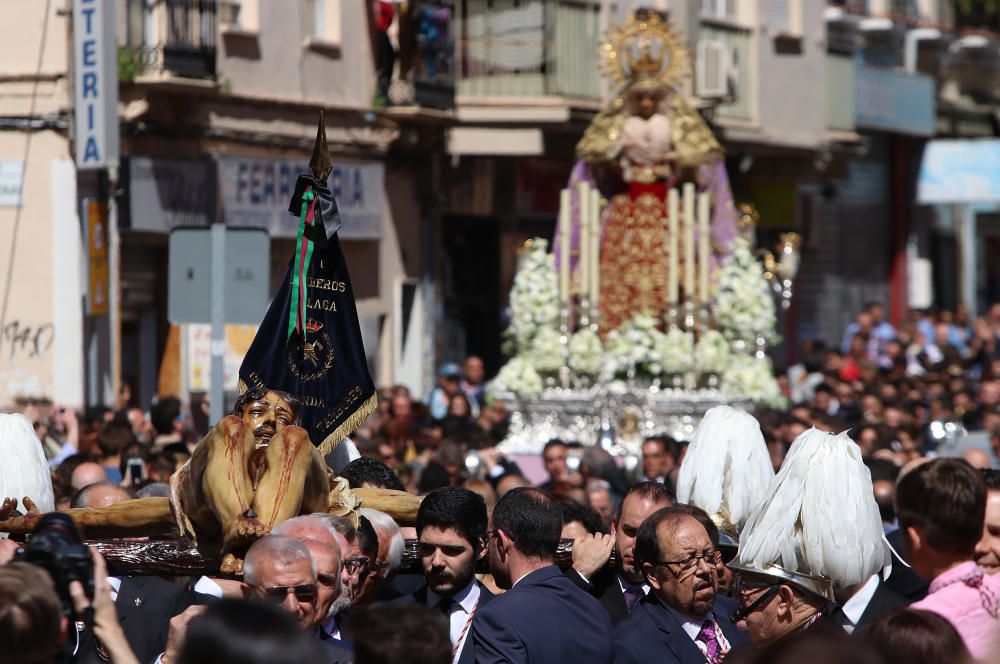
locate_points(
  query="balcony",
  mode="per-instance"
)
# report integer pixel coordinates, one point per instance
(738, 42)
(527, 48)
(169, 39)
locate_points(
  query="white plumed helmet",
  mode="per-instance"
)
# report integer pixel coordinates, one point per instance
(818, 527)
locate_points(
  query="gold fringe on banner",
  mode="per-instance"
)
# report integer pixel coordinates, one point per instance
(355, 420)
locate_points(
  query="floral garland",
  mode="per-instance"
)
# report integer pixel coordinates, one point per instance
(534, 298)
(586, 354)
(744, 307)
(711, 353)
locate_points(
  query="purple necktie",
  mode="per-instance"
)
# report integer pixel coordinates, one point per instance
(632, 597)
(708, 637)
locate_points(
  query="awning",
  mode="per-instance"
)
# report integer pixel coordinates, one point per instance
(960, 172)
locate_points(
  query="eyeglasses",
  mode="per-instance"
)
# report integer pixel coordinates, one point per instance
(327, 580)
(711, 558)
(356, 565)
(740, 588)
(305, 593)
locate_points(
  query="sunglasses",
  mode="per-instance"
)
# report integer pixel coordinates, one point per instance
(306, 593)
(741, 611)
(355, 565)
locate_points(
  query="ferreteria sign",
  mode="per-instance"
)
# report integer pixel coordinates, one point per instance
(95, 84)
(255, 192)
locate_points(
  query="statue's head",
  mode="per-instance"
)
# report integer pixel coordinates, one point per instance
(266, 412)
(645, 97)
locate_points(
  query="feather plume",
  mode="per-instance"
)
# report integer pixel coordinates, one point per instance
(727, 468)
(23, 468)
(819, 514)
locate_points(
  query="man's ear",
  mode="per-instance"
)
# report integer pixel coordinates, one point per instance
(483, 549)
(649, 571)
(785, 600)
(913, 541)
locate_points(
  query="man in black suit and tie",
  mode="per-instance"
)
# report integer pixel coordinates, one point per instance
(451, 535)
(682, 619)
(864, 603)
(619, 589)
(543, 616)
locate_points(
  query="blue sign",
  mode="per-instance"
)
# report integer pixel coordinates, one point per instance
(893, 101)
(95, 84)
(961, 171)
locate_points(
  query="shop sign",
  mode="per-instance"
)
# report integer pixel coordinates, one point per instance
(95, 84)
(256, 191)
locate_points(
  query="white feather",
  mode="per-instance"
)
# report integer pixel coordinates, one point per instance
(819, 515)
(726, 466)
(23, 468)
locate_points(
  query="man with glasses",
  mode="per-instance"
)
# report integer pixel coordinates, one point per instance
(279, 570)
(682, 619)
(301, 577)
(451, 531)
(543, 616)
(817, 529)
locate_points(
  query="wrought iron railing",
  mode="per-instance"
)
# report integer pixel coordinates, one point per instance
(169, 36)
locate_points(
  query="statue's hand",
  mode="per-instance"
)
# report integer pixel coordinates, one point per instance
(30, 508)
(8, 508)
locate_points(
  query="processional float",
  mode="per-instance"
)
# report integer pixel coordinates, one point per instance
(651, 307)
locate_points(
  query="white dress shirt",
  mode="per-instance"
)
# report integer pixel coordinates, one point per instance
(462, 609)
(855, 607)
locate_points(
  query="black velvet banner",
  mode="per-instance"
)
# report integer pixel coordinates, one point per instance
(326, 366)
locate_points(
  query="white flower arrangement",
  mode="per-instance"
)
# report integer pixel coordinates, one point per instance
(711, 353)
(752, 378)
(517, 377)
(546, 351)
(676, 351)
(534, 297)
(635, 347)
(586, 354)
(744, 307)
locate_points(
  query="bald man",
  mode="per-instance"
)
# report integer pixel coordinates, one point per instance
(100, 494)
(87, 473)
(977, 458)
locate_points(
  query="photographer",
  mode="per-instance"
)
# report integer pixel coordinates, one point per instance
(35, 627)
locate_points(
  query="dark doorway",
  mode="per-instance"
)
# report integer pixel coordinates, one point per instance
(471, 291)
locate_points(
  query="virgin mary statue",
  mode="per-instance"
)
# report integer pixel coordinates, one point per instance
(646, 141)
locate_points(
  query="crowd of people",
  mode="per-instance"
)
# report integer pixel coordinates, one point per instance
(648, 578)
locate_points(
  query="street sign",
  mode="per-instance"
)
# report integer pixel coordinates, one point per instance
(246, 280)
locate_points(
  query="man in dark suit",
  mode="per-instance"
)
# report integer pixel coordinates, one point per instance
(863, 604)
(145, 605)
(682, 619)
(619, 589)
(451, 535)
(543, 616)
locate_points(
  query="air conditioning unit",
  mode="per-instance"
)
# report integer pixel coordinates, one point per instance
(715, 69)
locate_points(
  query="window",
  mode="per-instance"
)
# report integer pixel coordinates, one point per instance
(719, 9)
(239, 15)
(784, 17)
(321, 22)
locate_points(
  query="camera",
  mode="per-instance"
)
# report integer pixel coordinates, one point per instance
(56, 546)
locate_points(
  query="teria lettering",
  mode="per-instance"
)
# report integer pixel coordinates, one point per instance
(89, 84)
(90, 151)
